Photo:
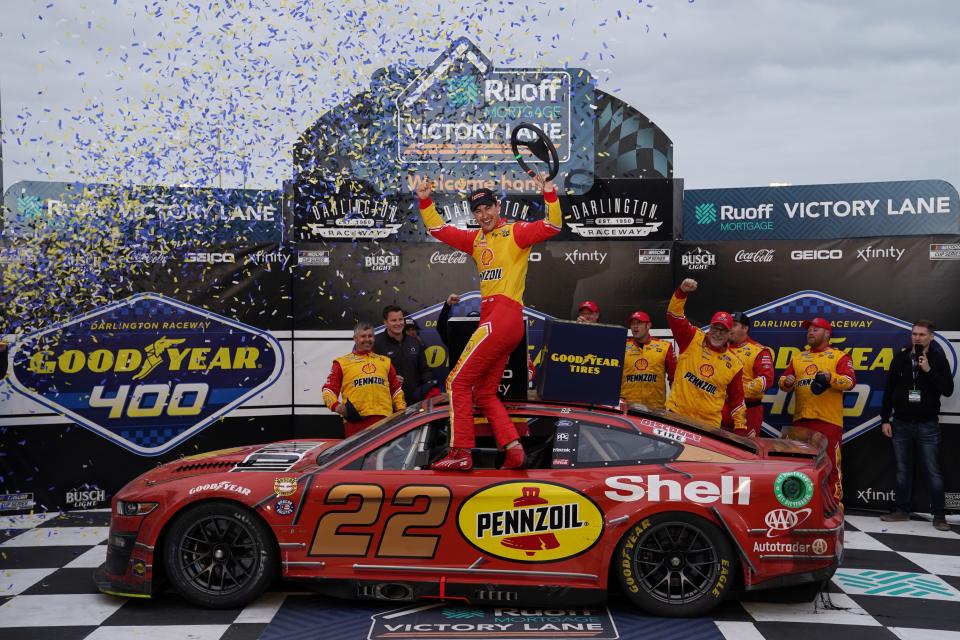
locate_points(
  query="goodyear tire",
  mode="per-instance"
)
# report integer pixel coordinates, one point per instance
(675, 564)
(219, 555)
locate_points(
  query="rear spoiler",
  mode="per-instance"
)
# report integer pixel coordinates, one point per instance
(808, 436)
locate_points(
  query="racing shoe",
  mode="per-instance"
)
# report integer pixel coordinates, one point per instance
(455, 460)
(515, 458)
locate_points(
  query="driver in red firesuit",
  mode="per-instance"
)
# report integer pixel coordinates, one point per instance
(501, 251)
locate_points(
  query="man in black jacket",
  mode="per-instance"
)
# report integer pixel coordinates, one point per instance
(919, 375)
(406, 354)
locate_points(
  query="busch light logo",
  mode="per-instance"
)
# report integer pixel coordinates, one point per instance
(870, 338)
(85, 498)
(146, 372)
(382, 261)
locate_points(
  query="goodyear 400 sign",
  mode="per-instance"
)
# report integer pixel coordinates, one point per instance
(147, 372)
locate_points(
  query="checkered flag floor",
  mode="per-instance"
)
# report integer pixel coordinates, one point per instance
(898, 580)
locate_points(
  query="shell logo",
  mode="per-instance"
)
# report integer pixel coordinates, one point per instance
(706, 370)
(811, 369)
(641, 364)
(486, 257)
(530, 521)
(369, 368)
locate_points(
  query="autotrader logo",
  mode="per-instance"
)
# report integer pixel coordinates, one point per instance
(146, 372)
(706, 213)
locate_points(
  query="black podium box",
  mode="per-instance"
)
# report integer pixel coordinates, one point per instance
(582, 362)
(513, 384)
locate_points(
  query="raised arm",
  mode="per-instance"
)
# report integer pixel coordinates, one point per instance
(530, 233)
(461, 239)
(683, 331)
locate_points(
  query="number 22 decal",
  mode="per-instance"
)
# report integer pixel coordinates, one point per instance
(365, 502)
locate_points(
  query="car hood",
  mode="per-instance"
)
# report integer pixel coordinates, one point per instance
(798, 443)
(289, 455)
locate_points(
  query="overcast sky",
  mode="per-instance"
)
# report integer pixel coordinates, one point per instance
(750, 91)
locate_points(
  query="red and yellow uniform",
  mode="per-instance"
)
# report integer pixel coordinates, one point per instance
(757, 378)
(824, 412)
(501, 257)
(646, 367)
(369, 382)
(705, 378)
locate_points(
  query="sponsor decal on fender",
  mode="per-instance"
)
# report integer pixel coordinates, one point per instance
(732, 490)
(530, 521)
(781, 521)
(146, 361)
(286, 486)
(793, 489)
(819, 546)
(223, 485)
(283, 507)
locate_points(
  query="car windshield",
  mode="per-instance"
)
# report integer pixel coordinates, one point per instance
(361, 438)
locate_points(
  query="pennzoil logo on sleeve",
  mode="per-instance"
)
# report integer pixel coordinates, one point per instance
(530, 521)
(146, 372)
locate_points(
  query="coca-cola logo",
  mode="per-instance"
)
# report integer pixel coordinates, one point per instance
(760, 255)
(446, 257)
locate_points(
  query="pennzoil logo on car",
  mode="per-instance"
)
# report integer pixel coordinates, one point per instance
(285, 486)
(146, 372)
(530, 521)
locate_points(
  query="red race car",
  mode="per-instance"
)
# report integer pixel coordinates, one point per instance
(674, 513)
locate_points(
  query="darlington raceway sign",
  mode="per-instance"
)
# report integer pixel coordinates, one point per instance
(923, 207)
(869, 337)
(146, 372)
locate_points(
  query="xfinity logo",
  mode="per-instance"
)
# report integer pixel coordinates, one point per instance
(209, 258)
(760, 255)
(576, 256)
(446, 257)
(698, 259)
(816, 254)
(869, 253)
(872, 495)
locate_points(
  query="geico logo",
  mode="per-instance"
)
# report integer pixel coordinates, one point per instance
(511, 522)
(490, 274)
(221, 486)
(630, 489)
(127, 360)
(210, 258)
(816, 254)
(590, 359)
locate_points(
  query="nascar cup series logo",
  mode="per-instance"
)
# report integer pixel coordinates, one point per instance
(530, 521)
(146, 372)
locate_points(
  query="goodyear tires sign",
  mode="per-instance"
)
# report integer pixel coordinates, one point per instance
(147, 372)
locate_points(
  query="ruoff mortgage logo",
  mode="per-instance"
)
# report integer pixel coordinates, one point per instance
(706, 213)
(146, 372)
(869, 337)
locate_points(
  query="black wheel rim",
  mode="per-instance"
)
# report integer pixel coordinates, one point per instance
(218, 555)
(675, 563)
